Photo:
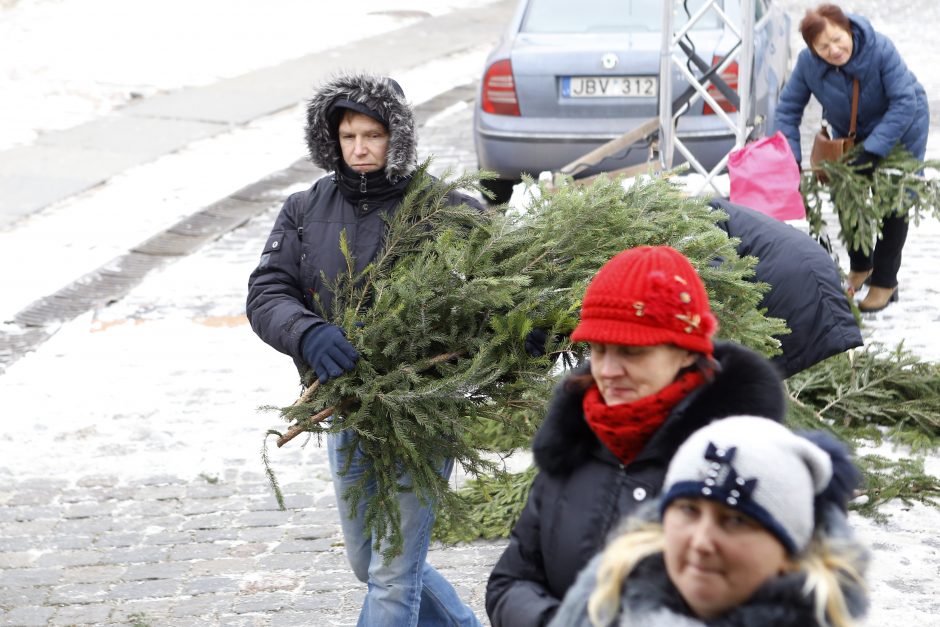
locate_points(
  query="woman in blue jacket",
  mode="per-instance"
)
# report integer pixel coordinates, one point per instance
(892, 109)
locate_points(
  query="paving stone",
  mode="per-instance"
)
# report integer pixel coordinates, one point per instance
(263, 519)
(31, 497)
(97, 481)
(144, 589)
(92, 574)
(214, 535)
(158, 480)
(149, 612)
(12, 596)
(261, 602)
(28, 528)
(84, 526)
(145, 509)
(88, 510)
(112, 540)
(17, 559)
(210, 506)
(152, 524)
(173, 537)
(305, 546)
(225, 566)
(249, 549)
(261, 534)
(29, 512)
(286, 561)
(302, 619)
(28, 616)
(195, 551)
(162, 570)
(204, 605)
(207, 521)
(69, 542)
(77, 593)
(19, 544)
(211, 491)
(160, 492)
(210, 585)
(134, 555)
(43, 484)
(93, 614)
(250, 620)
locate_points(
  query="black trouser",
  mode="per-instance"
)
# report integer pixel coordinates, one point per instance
(885, 259)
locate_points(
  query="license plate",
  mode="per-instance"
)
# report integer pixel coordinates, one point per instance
(609, 86)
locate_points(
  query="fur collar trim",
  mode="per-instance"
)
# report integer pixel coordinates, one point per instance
(376, 94)
(651, 599)
(747, 383)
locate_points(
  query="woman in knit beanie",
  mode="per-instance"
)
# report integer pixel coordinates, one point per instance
(750, 530)
(654, 377)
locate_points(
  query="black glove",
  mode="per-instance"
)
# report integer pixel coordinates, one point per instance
(327, 350)
(535, 342)
(865, 163)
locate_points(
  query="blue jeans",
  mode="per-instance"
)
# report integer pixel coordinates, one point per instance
(408, 591)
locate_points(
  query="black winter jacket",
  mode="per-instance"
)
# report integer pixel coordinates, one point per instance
(805, 287)
(582, 490)
(287, 294)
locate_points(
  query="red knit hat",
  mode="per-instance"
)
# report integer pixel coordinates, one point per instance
(644, 296)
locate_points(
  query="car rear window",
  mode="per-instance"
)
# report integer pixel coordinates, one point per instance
(614, 16)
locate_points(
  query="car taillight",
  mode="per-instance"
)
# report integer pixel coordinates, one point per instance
(728, 75)
(499, 89)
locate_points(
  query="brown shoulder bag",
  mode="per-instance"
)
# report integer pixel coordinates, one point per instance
(828, 149)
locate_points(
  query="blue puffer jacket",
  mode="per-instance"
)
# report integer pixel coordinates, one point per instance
(892, 104)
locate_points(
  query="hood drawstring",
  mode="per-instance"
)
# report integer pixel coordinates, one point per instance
(362, 182)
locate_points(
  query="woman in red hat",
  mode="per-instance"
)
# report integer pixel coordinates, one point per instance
(654, 377)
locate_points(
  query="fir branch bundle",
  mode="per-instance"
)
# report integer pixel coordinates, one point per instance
(897, 185)
(865, 396)
(440, 319)
(863, 392)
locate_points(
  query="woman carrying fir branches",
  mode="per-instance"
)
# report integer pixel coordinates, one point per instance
(892, 109)
(653, 378)
(750, 532)
(362, 131)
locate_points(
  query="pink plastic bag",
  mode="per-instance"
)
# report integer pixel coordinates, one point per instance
(765, 177)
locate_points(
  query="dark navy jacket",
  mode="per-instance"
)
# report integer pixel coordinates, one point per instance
(805, 287)
(892, 104)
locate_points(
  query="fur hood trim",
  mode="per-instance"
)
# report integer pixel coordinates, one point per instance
(747, 383)
(377, 94)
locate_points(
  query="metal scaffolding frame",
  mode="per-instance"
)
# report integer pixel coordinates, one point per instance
(674, 56)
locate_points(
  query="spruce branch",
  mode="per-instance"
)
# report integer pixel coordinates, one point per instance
(440, 316)
(897, 186)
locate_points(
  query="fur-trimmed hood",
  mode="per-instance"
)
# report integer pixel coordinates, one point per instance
(746, 383)
(379, 94)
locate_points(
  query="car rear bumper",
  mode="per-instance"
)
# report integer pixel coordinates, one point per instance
(510, 154)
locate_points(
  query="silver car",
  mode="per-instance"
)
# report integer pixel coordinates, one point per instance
(568, 77)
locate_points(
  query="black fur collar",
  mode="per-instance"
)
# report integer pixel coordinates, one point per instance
(746, 384)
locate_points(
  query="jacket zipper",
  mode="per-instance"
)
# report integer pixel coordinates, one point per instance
(362, 182)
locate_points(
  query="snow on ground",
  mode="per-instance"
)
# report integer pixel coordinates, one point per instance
(64, 62)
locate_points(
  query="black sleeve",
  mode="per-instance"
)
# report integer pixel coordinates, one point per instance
(275, 305)
(517, 594)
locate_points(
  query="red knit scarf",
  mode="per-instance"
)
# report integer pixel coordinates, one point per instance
(625, 429)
